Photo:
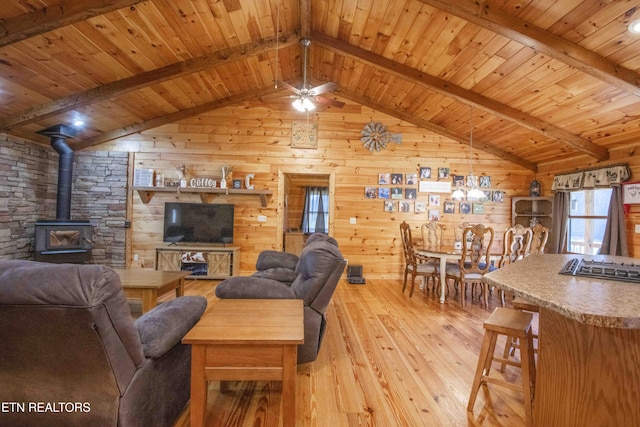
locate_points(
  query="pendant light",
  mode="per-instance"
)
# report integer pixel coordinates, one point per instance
(474, 193)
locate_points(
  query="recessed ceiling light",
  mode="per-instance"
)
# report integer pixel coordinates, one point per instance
(78, 123)
(634, 27)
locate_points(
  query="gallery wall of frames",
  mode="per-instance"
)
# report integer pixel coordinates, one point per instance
(428, 191)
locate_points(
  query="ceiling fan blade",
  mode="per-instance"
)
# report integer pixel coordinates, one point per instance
(328, 101)
(288, 86)
(326, 87)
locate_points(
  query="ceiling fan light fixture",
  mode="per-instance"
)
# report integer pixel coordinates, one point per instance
(303, 104)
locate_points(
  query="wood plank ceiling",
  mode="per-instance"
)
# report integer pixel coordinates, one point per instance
(547, 80)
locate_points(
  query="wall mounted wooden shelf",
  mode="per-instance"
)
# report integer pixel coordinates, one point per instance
(147, 193)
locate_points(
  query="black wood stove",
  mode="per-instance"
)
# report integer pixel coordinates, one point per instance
(61, 239)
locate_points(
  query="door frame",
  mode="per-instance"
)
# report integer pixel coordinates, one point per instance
(282, 174)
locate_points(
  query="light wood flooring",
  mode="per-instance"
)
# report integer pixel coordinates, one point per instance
(386, 360)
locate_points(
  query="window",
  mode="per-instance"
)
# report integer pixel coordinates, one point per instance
(587, 220)
(315, 217)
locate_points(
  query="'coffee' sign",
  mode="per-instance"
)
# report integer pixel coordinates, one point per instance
(202, 183)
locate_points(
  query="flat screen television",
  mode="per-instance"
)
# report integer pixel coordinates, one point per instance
(198, 223)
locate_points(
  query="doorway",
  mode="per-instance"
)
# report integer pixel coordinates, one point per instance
(291, 191)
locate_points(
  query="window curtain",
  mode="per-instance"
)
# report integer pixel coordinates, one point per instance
(558, 235)
(316, 202)
(614, 241)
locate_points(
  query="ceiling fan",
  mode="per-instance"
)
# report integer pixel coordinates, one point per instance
(306, 97)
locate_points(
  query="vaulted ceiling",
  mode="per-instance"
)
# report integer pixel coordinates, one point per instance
(548, 80)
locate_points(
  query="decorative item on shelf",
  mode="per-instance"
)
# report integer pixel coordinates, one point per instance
(181, 171)
(376, 137)
(143, 177)
(534, 188)
(159, 180)
(473, 192)
(237, 184)
(247, 181)
(226, 170)
(202, 182)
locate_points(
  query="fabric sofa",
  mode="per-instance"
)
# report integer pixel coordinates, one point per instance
(315, 277)
(72, 355)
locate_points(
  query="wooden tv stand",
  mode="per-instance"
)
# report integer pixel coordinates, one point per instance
(220, 262)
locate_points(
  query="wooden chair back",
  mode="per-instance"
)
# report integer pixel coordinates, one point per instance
(407, 244)
(475, 251)
(516, 244)
(431, 235)
(539, 237)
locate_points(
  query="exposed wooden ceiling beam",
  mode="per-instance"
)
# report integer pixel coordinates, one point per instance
(463, 95)
(543, 41)
(425, 124)
(172, 118)
(141, 80)
(56, 16)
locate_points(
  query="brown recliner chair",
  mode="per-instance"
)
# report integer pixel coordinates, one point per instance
(316, 275)
(72, 355)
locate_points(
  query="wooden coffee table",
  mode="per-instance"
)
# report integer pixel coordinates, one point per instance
(249, 340)
(148, 285)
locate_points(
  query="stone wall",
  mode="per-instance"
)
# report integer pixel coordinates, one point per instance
(28, 181)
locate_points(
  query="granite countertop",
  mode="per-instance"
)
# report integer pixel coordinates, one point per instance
(605, 303)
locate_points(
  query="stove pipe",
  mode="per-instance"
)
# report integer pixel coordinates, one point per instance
(59, 135)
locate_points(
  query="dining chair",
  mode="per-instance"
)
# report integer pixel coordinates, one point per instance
(474, 262)
(539, 237)
(415, 264)
(515, 246)
(432, 232)
(431, 235)
(457, 234)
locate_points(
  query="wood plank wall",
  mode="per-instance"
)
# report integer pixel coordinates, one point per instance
(255, 137)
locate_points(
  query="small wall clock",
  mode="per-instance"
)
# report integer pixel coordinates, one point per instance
(304, 135)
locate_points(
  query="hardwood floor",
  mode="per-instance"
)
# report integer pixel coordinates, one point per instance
(386, 360)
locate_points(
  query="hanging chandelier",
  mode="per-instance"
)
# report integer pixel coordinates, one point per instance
(473, 193)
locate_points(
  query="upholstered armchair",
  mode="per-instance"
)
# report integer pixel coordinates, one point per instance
(316, 275)
(72, 354)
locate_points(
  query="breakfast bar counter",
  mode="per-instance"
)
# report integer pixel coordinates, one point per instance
(588, 371)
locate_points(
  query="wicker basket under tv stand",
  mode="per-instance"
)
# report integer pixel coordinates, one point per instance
(221, 261)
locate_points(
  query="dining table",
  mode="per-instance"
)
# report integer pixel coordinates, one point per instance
(444, 254)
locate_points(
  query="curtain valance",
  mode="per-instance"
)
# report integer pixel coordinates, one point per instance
(608, 176)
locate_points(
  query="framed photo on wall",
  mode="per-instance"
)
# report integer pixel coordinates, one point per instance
(631, 193)
(370, 192)
(304, 135)
(449, 207)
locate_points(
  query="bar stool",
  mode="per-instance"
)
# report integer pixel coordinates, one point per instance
(512, 323)
(512, 342)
